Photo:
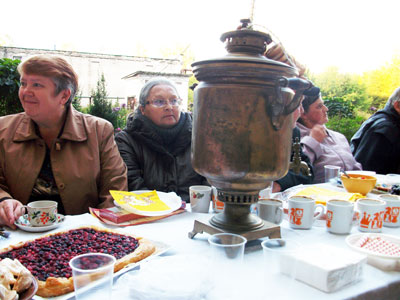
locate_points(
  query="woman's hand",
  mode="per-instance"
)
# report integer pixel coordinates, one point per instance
(276, 187)
(318, 132)
(10, 211)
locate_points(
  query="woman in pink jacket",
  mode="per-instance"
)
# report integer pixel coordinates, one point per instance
(321, 145)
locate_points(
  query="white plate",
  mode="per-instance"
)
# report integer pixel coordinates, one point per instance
(171, 199)
(352, 240)
(23, 223)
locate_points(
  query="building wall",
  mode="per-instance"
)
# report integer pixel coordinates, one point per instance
(90, 66)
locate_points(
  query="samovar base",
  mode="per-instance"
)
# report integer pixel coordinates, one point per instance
(242, 223)
(268, 229)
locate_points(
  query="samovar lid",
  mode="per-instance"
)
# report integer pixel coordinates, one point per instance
(245, 58)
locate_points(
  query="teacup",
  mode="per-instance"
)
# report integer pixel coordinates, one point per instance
(217, 205)
(392, 210)
(339, 216)
(41, 213)
(370, 214)
(200, 197)
(270, 210)
(302, 212)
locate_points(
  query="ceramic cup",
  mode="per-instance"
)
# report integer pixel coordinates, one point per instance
(270, 210)
(339, 216)
(370, 214)
(392, 179)
(302, 212)
(41, 213)
(392, 209)
(218, 206)
(200, 197)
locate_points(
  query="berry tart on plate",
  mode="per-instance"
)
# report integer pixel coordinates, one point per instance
(47, 257)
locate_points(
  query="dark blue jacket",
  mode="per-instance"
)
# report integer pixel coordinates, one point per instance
(376, 145)
(291, 178)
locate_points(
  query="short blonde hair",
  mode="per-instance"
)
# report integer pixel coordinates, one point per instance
(56, 68)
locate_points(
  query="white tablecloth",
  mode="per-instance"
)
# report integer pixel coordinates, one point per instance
(375, 284)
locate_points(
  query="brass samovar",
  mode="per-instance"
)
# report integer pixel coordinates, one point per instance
(242, 128)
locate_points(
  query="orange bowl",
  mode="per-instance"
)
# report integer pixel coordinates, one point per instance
(358, 183)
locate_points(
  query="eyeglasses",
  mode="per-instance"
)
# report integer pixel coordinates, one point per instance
(162, 103)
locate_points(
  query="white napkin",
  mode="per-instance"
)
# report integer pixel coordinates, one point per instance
(165, 278)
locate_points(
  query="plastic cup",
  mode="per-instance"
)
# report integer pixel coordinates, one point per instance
(227, 252)
(93, 275)
(332, 174)
(280, 265)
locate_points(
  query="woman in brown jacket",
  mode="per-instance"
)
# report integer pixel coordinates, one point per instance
(53, 152)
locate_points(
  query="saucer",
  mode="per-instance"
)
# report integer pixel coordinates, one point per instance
(23, 223)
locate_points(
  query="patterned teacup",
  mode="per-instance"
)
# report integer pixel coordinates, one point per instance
(303, 212)
(41, 213)
(392, 210)
(370, 214)
(200, 197)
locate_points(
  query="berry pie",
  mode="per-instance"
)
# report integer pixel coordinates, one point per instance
(47, 257)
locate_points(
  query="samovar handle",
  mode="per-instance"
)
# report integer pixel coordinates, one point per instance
(298, 85)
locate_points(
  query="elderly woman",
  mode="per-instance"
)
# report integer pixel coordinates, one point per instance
(156, 143)
(53, 152)
(321, 145)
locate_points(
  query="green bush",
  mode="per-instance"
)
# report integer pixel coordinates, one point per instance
(122, 113)
(101, 107)
(346, 126)
(338, 107)
(9, 85)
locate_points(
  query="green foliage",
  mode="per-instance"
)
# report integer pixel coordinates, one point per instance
(76, 102)
(122, 113)
(349, 87)
(382, 82)
(344, 125)
(339, 107)
(9, 85)
(100, 106)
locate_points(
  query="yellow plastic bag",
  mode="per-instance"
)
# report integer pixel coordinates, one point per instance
(145, 202)
(321, 195)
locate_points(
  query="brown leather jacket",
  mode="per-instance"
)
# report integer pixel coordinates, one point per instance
(85, 161)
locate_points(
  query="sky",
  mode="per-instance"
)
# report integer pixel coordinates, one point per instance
(353, 35)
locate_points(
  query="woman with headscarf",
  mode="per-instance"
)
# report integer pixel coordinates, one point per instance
(321, 145)
(156, 144)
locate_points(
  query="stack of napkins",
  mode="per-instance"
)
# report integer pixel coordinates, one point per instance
(324, 267)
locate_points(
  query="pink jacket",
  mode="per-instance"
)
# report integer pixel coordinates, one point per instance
(334, 150)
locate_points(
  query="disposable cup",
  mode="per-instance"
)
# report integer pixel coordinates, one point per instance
(93, 276)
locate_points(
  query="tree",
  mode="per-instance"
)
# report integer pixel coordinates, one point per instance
(100, 106)
(76, 102)
(382, 82)
(182, 52)
(349, 87)
(9, 85)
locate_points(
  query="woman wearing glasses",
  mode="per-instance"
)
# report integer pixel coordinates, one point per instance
(155, 145)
